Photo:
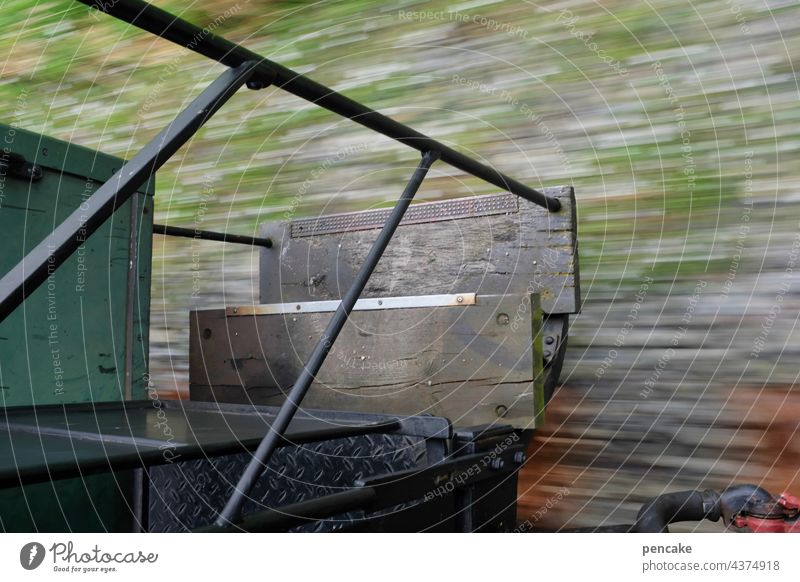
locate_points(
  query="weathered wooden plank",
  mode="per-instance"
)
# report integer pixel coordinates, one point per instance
(474, 364)
(506, 245)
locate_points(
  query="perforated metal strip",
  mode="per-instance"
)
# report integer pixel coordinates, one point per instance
(416, 214)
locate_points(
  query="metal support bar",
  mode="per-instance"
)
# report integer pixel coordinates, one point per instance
(45, 258)
(300, 513)
(163, 24)
(232, 511)
(240, 239)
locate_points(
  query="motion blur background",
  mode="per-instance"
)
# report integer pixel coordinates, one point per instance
(677, 122)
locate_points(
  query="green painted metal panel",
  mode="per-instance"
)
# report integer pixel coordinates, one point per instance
(67, 342)
(94, 503)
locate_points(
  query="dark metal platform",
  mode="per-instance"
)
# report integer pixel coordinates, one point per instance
(56, 442)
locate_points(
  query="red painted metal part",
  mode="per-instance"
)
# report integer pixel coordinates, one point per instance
(783, 516)
(789, 501)
(766, 525)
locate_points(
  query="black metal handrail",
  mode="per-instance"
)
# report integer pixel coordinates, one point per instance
(169, 27)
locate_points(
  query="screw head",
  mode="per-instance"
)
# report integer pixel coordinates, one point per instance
(497, 464)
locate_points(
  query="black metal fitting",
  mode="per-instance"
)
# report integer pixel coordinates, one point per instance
(17, 166)
(742, 499)
(263, 77)
(656, 515)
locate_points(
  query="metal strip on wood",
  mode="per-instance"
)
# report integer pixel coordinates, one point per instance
(373, 304)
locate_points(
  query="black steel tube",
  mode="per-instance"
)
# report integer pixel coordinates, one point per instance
(45, 258)
(240, 239)
(169, 27)
(232, 510)
(659, 512)
(289, 516)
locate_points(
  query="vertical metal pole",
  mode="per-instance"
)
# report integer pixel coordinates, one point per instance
(141, 500)
(133, 279)
(233, 508)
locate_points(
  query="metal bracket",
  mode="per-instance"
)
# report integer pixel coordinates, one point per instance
(17, 166)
